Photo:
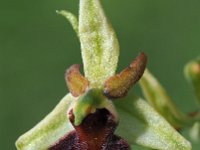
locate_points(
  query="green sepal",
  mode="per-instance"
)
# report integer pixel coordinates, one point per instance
(88, 103)
(99, 45)
(141, 124)
(71, 18)
(158, 97)
(54, 126)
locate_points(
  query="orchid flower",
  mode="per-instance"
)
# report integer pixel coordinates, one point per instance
(100, 111)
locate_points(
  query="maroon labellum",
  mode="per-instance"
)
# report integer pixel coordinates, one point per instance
(96, 132)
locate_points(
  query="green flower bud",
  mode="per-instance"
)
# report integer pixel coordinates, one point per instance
(192, 73)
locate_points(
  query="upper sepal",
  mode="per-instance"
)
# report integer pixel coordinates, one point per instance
(99, 45)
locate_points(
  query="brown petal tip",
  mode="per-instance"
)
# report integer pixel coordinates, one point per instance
(118, 85)
(76, 82)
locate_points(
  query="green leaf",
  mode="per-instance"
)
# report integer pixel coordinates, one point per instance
(192, 73)
(141, 124)
(161, 101)
(99, 45)
(54, 126)
(71, 18)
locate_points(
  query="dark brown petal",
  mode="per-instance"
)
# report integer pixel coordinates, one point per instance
(76, 83)
(118, 85)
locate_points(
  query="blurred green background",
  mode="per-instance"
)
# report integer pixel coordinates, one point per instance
(37, 45)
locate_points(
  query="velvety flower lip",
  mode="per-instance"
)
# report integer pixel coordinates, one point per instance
(96, 132)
